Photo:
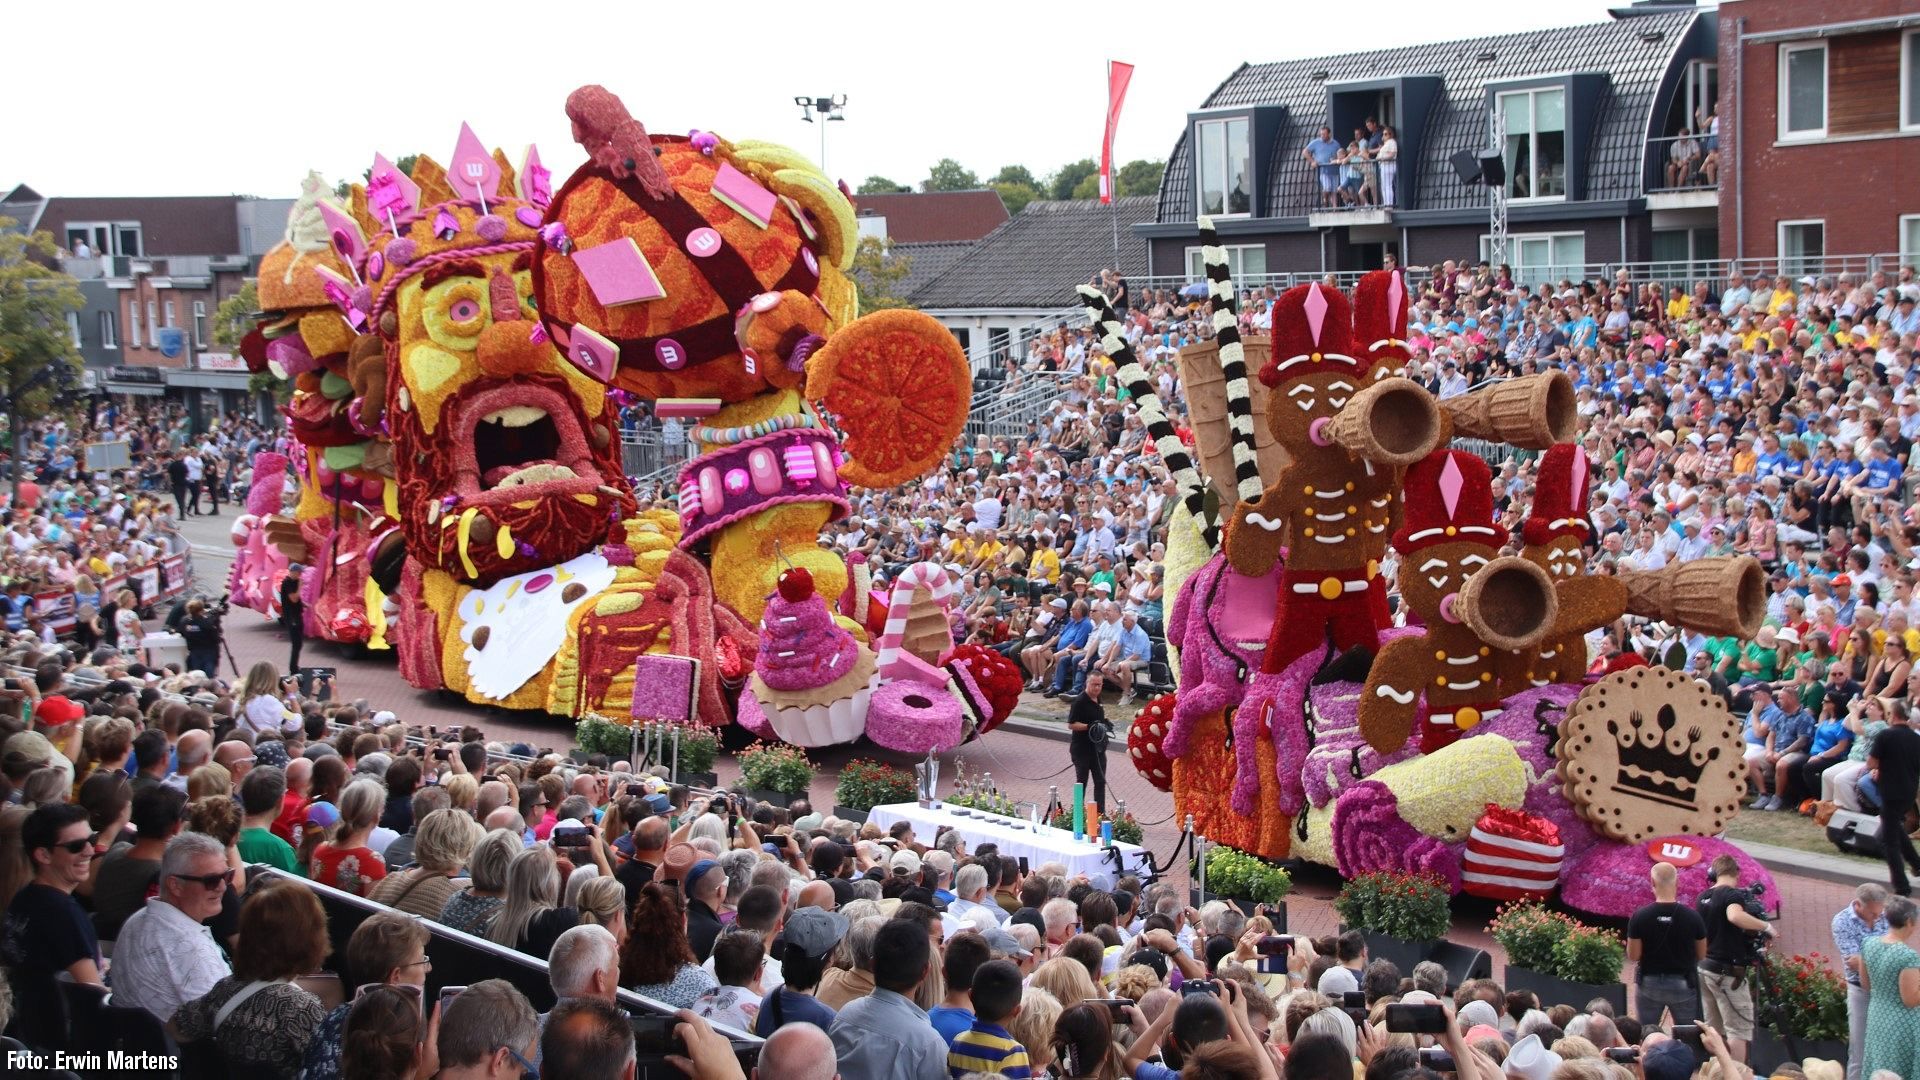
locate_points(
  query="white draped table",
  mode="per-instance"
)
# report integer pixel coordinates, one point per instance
(1015, 838)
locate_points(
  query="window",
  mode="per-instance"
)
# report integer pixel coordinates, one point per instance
(199, 323)
(1803, 245)
(73, 327)
(133, 324)
(170, 322)
(1909, 238)
(1536, 143)
(1803, 91)
(1225, 165)
(1910, 81)
(1245, 261)
(108, 338)
(1685, 253)
(153, 325)
(95, 237)
(127, 240)
(1542, 258)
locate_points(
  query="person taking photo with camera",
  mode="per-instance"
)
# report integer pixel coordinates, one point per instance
(1736, 938)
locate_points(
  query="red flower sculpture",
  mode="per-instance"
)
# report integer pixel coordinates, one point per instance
(1144, 740)
(998, 678)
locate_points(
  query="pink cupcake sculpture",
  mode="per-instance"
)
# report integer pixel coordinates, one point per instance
(811, 679)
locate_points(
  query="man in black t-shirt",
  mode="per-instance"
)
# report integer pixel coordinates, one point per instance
(45, 932)
(1725, 986)
(1895, 767)
(1091, 731)
(649, 851)
(1666, 941)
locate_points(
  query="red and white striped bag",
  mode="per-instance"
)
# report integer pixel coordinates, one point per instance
(1512, 855)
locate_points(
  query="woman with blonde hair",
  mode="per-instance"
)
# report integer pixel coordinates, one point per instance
(261, 707)
(127, 629)
(602, 901)
(344, 860)
(472, 910)
(1067, 980)
(531, 919)
(209, 780)
(463, 792)
(441, 845)
(1032, 1027)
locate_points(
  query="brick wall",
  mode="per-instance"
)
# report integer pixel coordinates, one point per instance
(1859, 180)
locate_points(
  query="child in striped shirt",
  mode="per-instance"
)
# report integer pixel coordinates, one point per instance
(987, 1047)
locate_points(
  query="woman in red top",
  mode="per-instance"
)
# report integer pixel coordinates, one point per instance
(344, 860)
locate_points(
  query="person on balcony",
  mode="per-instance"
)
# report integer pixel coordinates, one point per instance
(1324, 153)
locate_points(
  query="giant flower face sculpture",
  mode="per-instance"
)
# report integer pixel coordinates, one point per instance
(504, 449)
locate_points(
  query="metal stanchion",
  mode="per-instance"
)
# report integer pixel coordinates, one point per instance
(673, 775)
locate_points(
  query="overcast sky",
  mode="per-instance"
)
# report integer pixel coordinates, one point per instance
(201, 98)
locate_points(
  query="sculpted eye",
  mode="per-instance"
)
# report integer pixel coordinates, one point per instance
(463, 310)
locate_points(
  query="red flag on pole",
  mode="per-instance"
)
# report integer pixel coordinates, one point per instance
(1118, 75)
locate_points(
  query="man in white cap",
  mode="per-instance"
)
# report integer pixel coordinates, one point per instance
(1529, 1059)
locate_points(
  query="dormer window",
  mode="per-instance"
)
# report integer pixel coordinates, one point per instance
(1536, 143)
(1224, 163)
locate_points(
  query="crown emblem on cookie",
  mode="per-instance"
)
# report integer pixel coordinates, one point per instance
(1655, 764)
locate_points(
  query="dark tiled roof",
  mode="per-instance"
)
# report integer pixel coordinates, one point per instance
(928, 261)
(1458, 120)
(1040, 254)
(935, 216)
(185, 225)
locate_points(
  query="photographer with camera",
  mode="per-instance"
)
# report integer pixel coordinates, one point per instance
(201, 628)
(1737, 934)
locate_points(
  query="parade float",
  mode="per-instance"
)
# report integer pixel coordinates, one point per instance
(1465, 739)
(487, 330)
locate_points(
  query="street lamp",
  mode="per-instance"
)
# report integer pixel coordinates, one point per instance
(828, 106)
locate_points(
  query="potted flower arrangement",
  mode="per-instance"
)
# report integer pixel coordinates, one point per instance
(866, 784)
(1401, 914)
(1804, 997)
(1126, 828)
(775, 772)
(596, 734)
(1560, 959)
(699, 745)
(991, 802)
(1237, 875)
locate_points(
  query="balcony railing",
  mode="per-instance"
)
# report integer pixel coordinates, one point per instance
(1683, 163)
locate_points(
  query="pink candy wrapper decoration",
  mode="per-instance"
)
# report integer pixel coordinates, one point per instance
(666, 688)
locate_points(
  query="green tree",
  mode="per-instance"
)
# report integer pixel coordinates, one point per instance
(1016, 174)
(949, 175)
(879, 272)
(1062, 184)
(344, 190)
(39, 365)
(880, 185)
(1015, 195)
(1140, 177)
(232, 322)
(1088, 187)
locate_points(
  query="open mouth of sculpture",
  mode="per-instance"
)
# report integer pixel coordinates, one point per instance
(1247, 608)
(522, 442)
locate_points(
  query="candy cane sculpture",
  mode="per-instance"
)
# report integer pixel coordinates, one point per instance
(900, 659)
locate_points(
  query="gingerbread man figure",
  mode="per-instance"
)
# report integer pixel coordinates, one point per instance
(1474, 603)
(1334, 505)
(1556, 532)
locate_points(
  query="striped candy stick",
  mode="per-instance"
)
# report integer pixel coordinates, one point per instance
(1186, 479)
(894, 661)
(1233, 364)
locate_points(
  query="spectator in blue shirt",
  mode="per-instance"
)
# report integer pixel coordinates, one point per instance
(1130, 651)
(1786, 748)
(1831, 741)
(885, 1036)
(1879, 479)
(964, 955)
(1322, 151)
(1865, 917)
(1758, 725)
(1073, 641)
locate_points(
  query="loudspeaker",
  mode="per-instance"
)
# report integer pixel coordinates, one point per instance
(1466, 164)
(1493, 168)
(1462, 963)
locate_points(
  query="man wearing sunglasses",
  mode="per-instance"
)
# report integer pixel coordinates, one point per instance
(165, 955)
(45, 931)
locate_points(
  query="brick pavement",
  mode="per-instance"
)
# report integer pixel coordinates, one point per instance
(1023, 766)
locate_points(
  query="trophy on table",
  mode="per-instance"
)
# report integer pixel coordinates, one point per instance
(926, 776)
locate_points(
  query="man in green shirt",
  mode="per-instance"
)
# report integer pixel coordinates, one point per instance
(1760, 658)
(1726, 654)
(261, 796)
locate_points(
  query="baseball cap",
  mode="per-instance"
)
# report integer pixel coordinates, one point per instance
(322, 814)
(999, 941)
(697, 871)
(271, 752)
(814, 931)
(1842, 579)
(57, 710)
(1669, 1060)
(905, 861)
(384, 717)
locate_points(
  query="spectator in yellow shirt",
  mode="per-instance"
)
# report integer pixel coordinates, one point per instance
(1044, 566)
(1678, 304)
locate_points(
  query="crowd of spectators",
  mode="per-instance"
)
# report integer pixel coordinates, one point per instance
(85, 532)
(137, 814)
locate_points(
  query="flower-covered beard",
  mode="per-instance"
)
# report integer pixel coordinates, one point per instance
(511, 481)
